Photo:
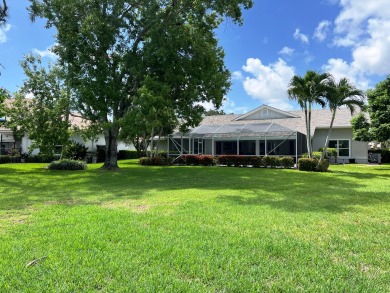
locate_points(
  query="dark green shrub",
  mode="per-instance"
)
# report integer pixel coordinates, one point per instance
(323, 166)
(67, 164)
(75, 151)
(270, 161)
(40, 159)
(256, 162)
(155, 161)
(5, 159)
(307, 164)
(385, 154)
(126, 155)
(286, 162)
(316, 155)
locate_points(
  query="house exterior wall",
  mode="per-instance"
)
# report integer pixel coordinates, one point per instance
(358, 149)
(261, 115)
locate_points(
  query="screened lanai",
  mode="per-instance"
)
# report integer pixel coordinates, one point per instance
(251, 139)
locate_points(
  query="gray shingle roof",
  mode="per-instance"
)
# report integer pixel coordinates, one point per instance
(320, 119)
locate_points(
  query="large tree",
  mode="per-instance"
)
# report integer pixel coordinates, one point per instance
(111, 47)
(378, 129)
(45, 115)
(340, 94)
(308, 90)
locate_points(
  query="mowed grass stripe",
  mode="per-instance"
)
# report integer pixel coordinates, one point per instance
(194, 229)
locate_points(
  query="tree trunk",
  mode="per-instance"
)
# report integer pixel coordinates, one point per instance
(111, 136)
(309, 133)
(327, 137)
(151, 144)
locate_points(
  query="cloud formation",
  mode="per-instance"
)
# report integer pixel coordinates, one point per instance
(300, 36)
(3, 32)
(286, 51)
(268, 83)
(46, 53)
(363, 26)
(322, 30)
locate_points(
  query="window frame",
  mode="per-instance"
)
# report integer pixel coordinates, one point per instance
(338, 147)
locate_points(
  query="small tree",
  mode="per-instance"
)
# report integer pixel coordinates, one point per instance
(339, 94)
(308, 90)
(379, 110)
(44, 117)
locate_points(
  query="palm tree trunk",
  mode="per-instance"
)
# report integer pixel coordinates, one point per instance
(309, 133)
(327, 137)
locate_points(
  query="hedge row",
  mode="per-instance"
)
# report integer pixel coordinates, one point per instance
(385, 154)
(307, 164)
(236, 161)
(67, 164)
(155, 161)
(9, 159)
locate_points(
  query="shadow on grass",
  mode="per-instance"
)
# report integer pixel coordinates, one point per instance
(337, 191)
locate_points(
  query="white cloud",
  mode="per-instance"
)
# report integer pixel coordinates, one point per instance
(364, 27)
(322, 30)
(3, 30)
(339, 68)
(46, 53)
(237, 75)
(268, 83)
(300, 36)
(206, 105)
(286, 51)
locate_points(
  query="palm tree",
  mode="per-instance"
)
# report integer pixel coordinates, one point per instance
(306, 91)
(339, 94)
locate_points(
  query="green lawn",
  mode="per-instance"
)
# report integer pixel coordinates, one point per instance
(194, 229)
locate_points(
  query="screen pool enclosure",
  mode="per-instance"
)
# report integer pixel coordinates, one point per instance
(251, 139)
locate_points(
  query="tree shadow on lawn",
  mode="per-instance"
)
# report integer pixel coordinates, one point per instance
(284, 189)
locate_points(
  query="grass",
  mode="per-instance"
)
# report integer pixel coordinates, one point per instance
(194, 229)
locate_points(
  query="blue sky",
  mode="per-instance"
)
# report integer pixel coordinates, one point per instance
(279, 38)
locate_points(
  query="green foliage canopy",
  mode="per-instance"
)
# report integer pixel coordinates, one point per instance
(113, 48)
(45, 116)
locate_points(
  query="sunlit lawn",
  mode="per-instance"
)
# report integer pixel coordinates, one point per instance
(194, 229)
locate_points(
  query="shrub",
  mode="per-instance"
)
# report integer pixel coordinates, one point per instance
(126, 155)
(307, 164)
(256, 162)
(270, 161)
(330, 152)
(40, 159)
(155, 161)
(385, 154)
(5, 159)
(67, 164)
(323, 166)
(315, 155)
(75, 151)
(286, 162)
(205, 160)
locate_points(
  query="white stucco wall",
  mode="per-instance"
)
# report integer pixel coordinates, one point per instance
(358, 149)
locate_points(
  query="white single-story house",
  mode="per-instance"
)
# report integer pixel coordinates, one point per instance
(9, 141)
(268, 131)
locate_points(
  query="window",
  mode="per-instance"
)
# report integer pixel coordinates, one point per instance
(264, 112)
(342, 146)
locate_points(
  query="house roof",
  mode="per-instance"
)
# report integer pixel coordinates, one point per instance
(321, 118)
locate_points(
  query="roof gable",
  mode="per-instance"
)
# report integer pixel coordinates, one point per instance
(265, 112)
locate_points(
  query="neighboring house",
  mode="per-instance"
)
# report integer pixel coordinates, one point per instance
(268, 131)
(8, 141)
